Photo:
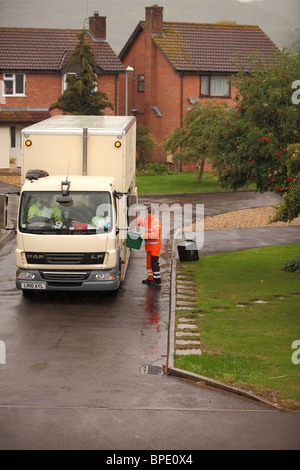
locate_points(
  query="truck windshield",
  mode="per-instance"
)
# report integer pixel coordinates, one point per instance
(87, 213)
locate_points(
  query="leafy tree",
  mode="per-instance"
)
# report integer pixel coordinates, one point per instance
(290, 206)
(252, 145)
(80, 96)
(193, 142)
(248, 143)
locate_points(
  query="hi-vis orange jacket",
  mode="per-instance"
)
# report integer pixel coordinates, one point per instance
(152, 233)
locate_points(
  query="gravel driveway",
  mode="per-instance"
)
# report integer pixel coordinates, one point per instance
(257, 217)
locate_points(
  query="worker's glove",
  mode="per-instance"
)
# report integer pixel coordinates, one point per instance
(142, 236)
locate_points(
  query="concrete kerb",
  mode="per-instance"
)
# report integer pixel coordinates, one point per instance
(6, 235)
(174, 371)
(168, 195)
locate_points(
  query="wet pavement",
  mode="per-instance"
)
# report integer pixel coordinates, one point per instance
(84, 371)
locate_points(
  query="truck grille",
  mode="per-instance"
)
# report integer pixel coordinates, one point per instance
(64, 258)
(63, 276)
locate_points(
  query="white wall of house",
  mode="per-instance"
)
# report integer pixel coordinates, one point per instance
(4, 146)
(10, 146)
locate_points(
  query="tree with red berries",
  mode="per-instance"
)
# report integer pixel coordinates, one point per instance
(251, 144)
(289, 209)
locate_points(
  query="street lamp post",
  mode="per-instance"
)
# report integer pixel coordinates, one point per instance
(129, 69)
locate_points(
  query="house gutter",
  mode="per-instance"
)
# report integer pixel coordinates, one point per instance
(181, 99)
(116, 93)
(85, 137)
(181, 107)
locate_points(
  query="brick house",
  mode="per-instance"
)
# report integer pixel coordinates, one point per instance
(177, 64)
(33, 71)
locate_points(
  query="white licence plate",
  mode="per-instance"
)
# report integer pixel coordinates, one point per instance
(33, 285)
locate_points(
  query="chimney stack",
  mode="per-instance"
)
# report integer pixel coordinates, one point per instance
(97, 26)
(154, 20)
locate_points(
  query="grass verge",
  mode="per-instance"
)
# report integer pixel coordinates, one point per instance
(249, 317)
(183, 182)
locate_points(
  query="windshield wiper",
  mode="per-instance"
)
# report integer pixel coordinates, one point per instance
(59, 231)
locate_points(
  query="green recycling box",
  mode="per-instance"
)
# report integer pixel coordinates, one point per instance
(134, 240)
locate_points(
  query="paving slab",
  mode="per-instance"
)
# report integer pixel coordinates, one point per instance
(186, 333)
(187, 352)
(187, 326)
(193, 320)
(186, 342)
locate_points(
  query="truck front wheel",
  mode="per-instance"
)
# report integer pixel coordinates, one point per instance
(27, 293)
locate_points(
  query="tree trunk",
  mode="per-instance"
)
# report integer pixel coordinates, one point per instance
(201, 171)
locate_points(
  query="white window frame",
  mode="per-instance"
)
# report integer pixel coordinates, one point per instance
(12, 77)
(207, 83)
(141, 83)
(64, 82)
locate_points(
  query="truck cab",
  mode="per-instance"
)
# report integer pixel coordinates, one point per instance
(69, 241)
(78, 181)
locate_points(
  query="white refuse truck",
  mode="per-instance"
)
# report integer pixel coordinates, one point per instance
(78, 182)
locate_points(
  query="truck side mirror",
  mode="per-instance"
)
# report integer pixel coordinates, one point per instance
(3, 211)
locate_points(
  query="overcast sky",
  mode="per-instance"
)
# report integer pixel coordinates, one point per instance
(279, 19)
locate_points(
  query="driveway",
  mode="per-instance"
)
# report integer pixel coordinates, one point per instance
(84, 372)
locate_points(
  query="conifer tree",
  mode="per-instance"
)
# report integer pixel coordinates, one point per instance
(81, 97)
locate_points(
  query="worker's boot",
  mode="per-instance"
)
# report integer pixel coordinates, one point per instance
(150, 282)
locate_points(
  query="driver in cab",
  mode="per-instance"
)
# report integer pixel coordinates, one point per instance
(43, 209)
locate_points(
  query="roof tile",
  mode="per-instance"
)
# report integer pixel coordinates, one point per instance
(206, 47)
(23, 116)
(44, 49)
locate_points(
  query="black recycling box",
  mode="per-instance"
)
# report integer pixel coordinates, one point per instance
(188, 251)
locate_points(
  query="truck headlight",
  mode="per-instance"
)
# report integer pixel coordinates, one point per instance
(104, 276)
(25, 275)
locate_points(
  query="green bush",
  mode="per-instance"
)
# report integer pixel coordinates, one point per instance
(292, 265)
(153, 168)
(145, 144)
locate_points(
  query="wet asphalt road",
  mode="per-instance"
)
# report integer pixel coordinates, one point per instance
(73, 374)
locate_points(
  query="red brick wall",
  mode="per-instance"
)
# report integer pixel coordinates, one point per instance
(107, 84)
(41, 91)
(45, 88)
(165, 91)
(135, 59)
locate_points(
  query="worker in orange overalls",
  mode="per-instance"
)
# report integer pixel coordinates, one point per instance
(152, 246)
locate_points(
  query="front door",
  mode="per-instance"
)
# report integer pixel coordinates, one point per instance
(15, 144)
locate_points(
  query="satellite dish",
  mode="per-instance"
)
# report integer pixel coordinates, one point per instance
(194, 99)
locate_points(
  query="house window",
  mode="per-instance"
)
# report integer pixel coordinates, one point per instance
(65, 78)
(214, 85)
(14, 84)
(141, 82)
(65, 83)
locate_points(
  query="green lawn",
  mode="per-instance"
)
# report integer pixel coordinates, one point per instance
(244, 343)
(183, 182)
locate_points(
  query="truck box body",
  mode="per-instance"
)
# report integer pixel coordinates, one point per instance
(72, 222)
(57, 147)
